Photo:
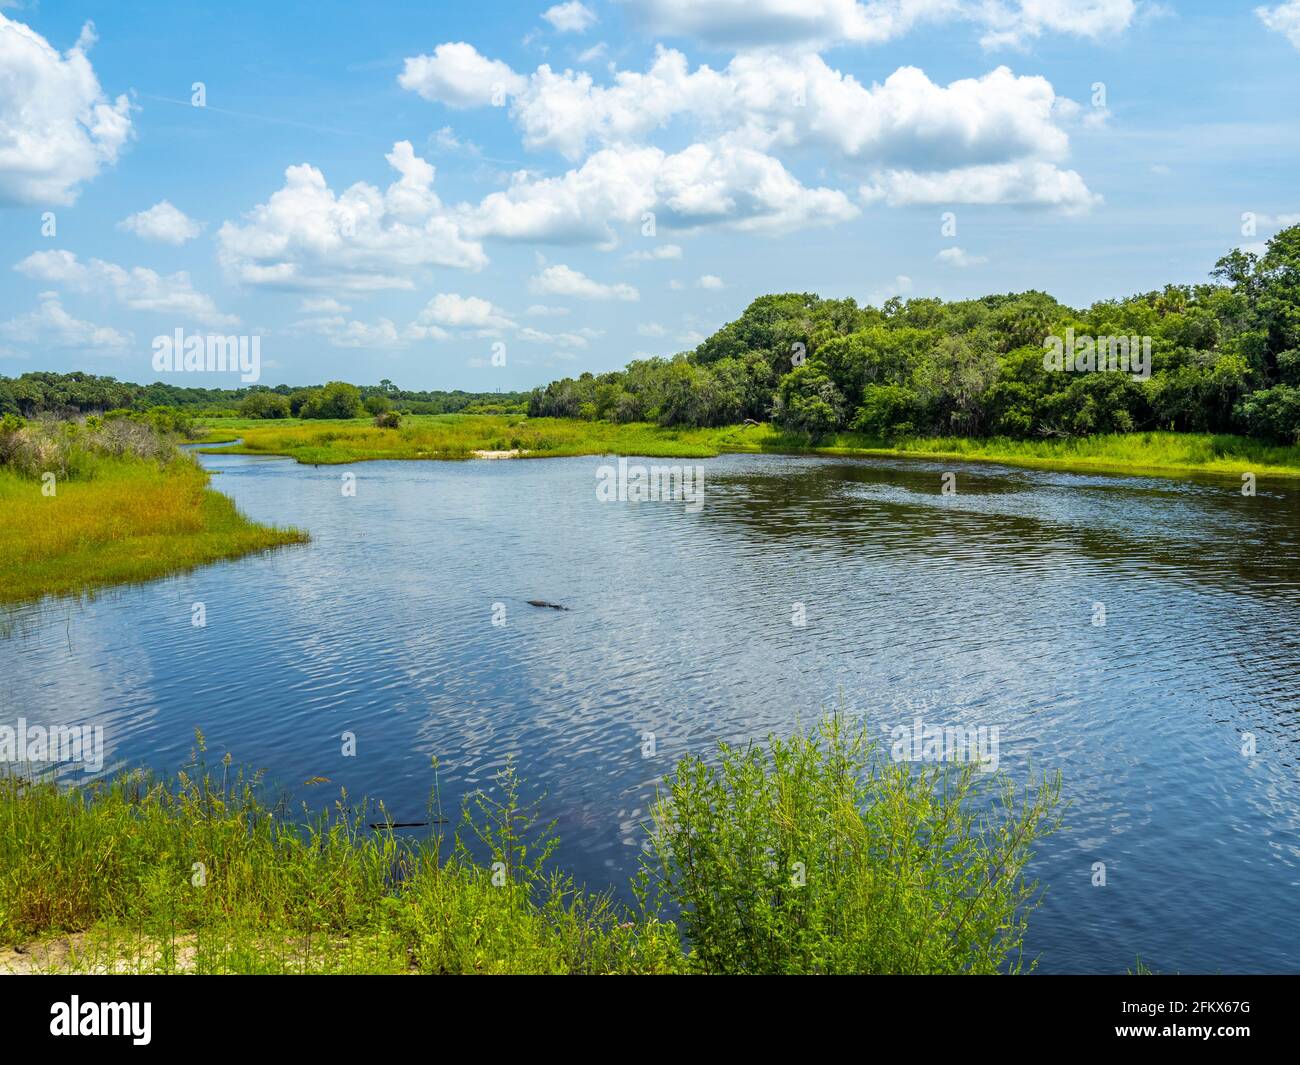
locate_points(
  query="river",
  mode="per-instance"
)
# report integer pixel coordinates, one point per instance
(978, 608)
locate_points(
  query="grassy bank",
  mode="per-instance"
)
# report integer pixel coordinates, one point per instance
(460, 436)
(103, 518)
(812, 855)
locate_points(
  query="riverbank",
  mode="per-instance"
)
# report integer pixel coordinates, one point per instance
(461, 436)
(206, 872)
(129, 520)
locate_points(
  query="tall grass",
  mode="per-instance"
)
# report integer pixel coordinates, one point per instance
(901, 872)
(458, 436)
(120, 504)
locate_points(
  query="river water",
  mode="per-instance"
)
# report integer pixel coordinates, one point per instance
(978, 608)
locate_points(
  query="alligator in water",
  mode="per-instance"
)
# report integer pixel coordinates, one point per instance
(543, 602)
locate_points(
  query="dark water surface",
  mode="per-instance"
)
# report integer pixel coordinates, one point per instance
(973, 609)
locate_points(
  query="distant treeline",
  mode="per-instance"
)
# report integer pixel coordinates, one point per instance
(1223, 357)
(83, 393)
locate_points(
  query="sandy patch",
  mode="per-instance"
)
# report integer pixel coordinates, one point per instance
(513, 453)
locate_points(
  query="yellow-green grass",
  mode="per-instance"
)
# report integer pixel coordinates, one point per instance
(458, 436)
(131, 521)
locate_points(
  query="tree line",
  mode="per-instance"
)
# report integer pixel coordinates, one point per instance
(75, 393)
(1224, 357)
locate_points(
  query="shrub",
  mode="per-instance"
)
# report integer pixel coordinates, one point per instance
(820, 856)
(338, 399)
(264, 404)
(388, 419)
(807, 401)
(1273, 413)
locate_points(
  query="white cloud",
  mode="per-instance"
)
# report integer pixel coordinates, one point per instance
(463, 312)
(305, 236)
(1025, 184)
(456, 75)
(651, 329)
(710, 281)
(163, 223)
(826, 22)
(773, 101)
(52, 326)
(57, 128)
(541, 310)
(562, 340)
(571, 17)
(562, 280)
(658, 253)
(324, 305)
(900, 286)
(960, 258)
(1283, 19)
(138, 288)
(1014, 24)
(704, 185)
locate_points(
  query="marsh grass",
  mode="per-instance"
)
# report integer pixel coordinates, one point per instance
(904, 872)
(458, 436)
(126, 507)
(119, 863)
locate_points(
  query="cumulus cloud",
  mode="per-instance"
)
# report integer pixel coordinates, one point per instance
(163, 223)
(306, 236)
(571, 17)
(458, 76)
(710, 281)
(50, 325)
(658, 253)
(770, 102)
(716, 184)
(138, 288)
(562, 280)
(1283, 19)
(757, 106)
(464, 312)
(57, 128)
(1026, 184)
(960, 258)
(819, 23)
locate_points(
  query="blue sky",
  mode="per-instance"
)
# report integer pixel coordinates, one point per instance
(472, 175)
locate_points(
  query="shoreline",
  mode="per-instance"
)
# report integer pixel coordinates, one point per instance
(1154, 454)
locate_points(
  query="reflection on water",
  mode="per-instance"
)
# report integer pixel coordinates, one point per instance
(974, 610)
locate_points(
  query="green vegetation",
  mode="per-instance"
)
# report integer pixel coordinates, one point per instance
(901, 873)
(460, 436)
(109, 500)
(1224, 358)
(75, 393)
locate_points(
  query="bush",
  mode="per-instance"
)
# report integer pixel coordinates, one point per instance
(1273, 413)
(820, 856)
(264, 405)
(338, 399)
(887, 411)
(807, 401)
(388, 419)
